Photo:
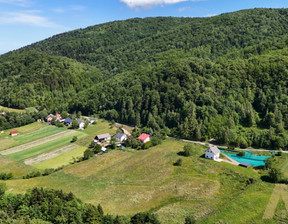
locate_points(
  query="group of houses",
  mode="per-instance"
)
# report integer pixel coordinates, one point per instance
(104, 139)
(68, 121)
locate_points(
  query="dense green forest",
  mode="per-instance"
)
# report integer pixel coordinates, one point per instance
(223, 77)
(45, 206)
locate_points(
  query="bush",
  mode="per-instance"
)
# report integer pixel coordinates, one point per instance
(97, 148)
(147, 145)
(178, 162)
(88, 154)
(189, 150)
(275, 175)
(74, 139)
(6, 176)
(241, 153)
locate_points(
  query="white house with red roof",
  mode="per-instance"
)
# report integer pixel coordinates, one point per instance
(144, 138)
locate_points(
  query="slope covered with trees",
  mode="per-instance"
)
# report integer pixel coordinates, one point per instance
(197, 78)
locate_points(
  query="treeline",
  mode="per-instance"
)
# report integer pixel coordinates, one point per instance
(45, 206)
(10, 120)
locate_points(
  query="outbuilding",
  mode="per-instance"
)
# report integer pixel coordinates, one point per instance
(13, 133)
(244, 164)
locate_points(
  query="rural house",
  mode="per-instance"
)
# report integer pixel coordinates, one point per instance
(13, 133)
(81, 124)
(49, 118)
(68, 121)
(144, 138)
(102, 137)
(212, 153)
(120, 137)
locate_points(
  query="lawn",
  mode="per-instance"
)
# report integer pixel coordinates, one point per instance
(46, 147)
(130, 182)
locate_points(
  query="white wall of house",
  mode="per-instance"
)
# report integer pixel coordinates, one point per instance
(146, 140)
(81, 126)
(210, 155)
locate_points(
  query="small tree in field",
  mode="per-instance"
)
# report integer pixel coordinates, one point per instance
(74, 139)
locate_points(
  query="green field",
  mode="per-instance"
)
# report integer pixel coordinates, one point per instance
(27, 133)
(130, 182)
(46, 147)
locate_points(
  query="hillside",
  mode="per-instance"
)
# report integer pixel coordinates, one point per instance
(197, 78)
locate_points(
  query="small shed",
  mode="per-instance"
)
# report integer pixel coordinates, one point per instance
(212, 153)
(13, 133)
(144, 138)
(244, 164)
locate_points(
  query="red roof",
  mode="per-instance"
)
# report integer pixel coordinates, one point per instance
(13, 132)
(143, 137)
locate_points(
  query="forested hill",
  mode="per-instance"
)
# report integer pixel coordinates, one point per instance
(223, 76)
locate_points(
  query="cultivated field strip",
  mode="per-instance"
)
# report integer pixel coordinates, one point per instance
(36, 143)
(50, 155)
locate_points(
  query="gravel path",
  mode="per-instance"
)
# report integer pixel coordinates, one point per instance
(50, 155)
(36, 143)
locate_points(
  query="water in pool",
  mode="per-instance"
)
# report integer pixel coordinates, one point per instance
(254, 160)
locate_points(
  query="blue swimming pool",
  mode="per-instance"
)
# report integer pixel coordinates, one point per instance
(254, 160)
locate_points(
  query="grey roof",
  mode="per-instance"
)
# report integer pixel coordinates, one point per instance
(214, 149)
(102, 136)
(119, 135)
(245, 164)
(68, 120)
(80, 121)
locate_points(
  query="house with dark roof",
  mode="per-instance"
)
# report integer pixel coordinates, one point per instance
(212, 153)
(68, 121)
(144, 138)
(120, 137)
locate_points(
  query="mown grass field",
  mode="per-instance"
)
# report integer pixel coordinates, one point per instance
(27, 133)
(46, 147)
(62, 160)
(130, 182)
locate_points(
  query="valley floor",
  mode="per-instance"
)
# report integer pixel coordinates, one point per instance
(129, 182)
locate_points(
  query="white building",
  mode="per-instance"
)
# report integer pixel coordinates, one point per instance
(212, 153)
(120, 137)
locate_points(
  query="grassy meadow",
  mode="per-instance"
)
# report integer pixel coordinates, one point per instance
(130, 182)
(7, 109)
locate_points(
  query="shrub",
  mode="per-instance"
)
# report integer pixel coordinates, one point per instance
(147, 145)
(6, 176)
(97, 148)
(178, 162)
(189, 150)
(88, 154)
(241, 153)
(275, 175)
(74, 139)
